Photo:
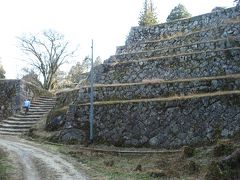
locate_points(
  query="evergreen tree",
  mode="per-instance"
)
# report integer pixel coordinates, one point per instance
(148, 16)
(178, 12)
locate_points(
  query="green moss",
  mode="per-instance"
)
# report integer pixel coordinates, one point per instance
(214, 171)
(228, 54)
(234, 100)
(223, 147)
(234, 42)
(216, 133)
(187, 151)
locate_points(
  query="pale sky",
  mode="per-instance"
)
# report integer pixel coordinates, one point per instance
(107, 22)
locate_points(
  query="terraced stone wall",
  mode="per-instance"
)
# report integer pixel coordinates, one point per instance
(191, 65)
(165, 123)
(154, 89)
(195, 99)
(206, 39)
(138, 34)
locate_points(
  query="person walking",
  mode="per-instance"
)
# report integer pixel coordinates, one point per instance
(26, 105)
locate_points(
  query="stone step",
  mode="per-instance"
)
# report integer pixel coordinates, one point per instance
(45, 100)
(16, 126)
(13, 130)
(43, 103)
(42, 106)
(33, 112)
(17, 122)
(182, 66)
(158, 87)
(38, 104)
(22, 122)
(175, 50)
(7, 133)
(21, 119)
(27, 116)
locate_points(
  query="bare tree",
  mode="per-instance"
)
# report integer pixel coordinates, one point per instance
(46, 52)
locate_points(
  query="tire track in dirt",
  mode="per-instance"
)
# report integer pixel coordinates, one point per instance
(38, 163)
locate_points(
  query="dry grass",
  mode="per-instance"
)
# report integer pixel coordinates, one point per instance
(157, 81)
(145, 167)
(168, 37)
(104, 165)
(180, 34)
(235, 20)
(172, 98)
(174, 47)
(172, 56)
(231, 76)
(119, 167)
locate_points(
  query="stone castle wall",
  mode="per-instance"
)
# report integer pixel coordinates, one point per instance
(191, 65)
(209, 47)
(165, 123)
(151, 89)
(10, 97)
(141, 34)
(209, 38)
(172, 84)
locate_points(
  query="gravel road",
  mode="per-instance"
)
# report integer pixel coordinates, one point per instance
(32, 161)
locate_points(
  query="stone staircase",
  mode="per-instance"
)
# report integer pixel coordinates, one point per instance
(171, 84)
(20, 123)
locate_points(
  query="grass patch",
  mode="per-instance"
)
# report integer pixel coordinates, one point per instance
(4, 166)
(126, 166)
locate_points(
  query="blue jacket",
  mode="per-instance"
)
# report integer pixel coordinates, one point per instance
(26, 103)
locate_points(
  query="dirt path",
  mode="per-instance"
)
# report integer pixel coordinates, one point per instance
(31, 161)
